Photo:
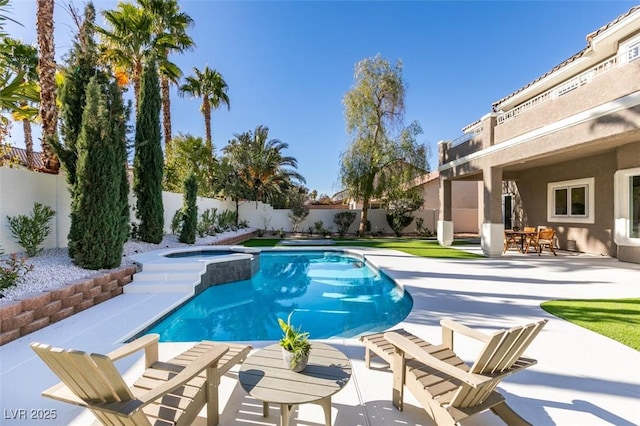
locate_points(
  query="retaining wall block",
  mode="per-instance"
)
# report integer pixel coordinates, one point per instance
(116, 292)
(35, 325)
(32, 301)
(72, 300)
(85, 286)
(47, 310)
(105, 295)
(92, 293)
(102, 279)
(125, 280)
(62, 314)
(9, 336)
(62, 293)
(17, 321)
(110, 285)
(85, 304)
(10, 310)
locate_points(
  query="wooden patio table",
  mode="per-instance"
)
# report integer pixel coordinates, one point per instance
(265, 376)
(523, 236)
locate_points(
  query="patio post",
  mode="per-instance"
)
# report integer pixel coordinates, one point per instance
(445, 224)
(492, 232)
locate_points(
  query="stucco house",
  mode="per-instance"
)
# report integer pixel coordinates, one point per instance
(562, 152)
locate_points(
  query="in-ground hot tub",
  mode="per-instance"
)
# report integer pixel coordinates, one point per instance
(192, 269)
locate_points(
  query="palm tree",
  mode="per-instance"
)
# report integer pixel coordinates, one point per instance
(169, 27)
(47, 69)
(22, 60)
(128, 42)
(209, 85)
(261, 165)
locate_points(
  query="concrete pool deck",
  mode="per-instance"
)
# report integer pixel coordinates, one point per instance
(581, 378)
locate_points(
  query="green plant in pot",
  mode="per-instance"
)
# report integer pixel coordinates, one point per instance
(295, 345)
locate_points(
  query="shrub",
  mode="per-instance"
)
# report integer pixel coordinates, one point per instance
(176, 222)
(398, 222)
(227, 220)
(12, 270)
(189, 211)
(31, 231)
(207, 224)
(344, 221)
(298, 210)
(421, 230)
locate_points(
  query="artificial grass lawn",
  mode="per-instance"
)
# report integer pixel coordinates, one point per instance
(618, 319)
(415, 246)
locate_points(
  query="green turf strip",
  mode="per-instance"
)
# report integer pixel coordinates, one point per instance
(417, 247)
(618, 319)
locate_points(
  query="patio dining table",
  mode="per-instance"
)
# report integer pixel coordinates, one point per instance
(524, 235)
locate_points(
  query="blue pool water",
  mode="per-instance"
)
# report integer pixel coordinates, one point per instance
(332, 294)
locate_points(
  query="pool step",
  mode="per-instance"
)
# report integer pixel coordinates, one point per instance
(167, 276)
(166, 286)
(163, 278)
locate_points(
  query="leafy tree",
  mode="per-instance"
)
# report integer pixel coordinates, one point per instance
(188, 155)
(209, 85)
(99, 210)
(298, 206)
(261, 165)
(148, 161)
(189, 211)
(228, 183)
(399, 211)
(383, 152)
(344, 221)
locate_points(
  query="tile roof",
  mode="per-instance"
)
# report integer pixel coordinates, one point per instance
(20, 155)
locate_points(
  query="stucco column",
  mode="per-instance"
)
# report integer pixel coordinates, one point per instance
(445, 224)
(492, 231)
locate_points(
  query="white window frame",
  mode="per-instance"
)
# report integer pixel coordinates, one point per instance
(588, 217)
(621, 208)
(629, 51)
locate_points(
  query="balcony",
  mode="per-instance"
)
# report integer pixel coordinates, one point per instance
(587, 96)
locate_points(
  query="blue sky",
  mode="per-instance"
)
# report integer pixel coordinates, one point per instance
(288, 64)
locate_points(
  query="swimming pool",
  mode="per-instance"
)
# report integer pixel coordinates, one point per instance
(333, 294)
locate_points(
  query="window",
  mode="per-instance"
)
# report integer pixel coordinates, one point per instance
(634, 52)
(634, 206)
(571, 201)
(626, 207)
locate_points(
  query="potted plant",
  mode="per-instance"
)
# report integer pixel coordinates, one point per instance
(295, 345)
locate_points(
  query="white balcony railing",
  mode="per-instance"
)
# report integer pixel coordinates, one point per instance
(466, 137)
(561, 89)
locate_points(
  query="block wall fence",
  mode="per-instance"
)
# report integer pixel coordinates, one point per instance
(20, 188)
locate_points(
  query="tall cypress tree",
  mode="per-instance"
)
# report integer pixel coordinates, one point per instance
(148, 161)
(189, 210)
(119, 116)
(81, 65)
(99, 211)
